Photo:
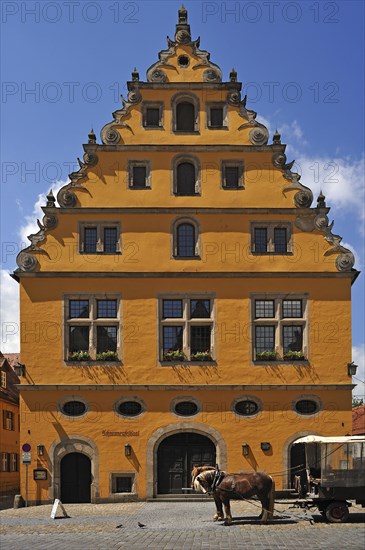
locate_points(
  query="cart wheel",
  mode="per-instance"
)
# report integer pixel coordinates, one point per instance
(337, 512)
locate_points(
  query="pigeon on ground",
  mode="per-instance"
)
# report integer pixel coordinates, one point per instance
(141, 525)
(119, 526)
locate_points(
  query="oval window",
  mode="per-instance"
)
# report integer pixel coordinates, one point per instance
(306, 406)
(246, 407)
(186, 408)
(74, 408)
(129, 408)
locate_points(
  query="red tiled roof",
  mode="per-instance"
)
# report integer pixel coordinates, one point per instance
(12, 358)
(358, 420)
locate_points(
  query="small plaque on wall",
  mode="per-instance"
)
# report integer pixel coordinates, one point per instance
(39, 474)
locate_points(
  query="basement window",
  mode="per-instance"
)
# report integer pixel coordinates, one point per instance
(123, 483)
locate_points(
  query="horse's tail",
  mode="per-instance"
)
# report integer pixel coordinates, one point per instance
(271, 499)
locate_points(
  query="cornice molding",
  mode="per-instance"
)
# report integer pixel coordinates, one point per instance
(183, 387)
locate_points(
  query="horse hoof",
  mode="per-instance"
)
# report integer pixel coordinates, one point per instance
(227, 522)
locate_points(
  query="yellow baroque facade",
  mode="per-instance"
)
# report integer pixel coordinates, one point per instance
(184, 304)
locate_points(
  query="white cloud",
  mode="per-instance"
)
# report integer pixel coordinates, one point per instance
(9, 313)
(358, 357)
(30, 225)
(292, 132)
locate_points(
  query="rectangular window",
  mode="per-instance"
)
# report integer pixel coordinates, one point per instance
(152, 114)
(90, 240)
(280, 239)
(271, 238)
(139, 174)
(3, 379)
(79, 309)
(280, 328)
(216, 117)
(260, 239)
(14, 462)
(8, 420)
(172, 338)
(4, 462)
(92, 327)
(106, 339)
(232, 174)
(186, 328)
(123, 484)
(99, 238)
(264, 308)
(292, 338)
(264, 338)
(110, 240)
(172, 308)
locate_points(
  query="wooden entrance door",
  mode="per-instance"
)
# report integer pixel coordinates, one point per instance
(75, 478)
(176, 457)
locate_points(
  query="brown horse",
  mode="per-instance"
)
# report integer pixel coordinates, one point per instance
(226, 486)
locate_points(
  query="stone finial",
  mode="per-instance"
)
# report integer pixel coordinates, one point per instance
(183, 15)
(50, 200)
(135, 75)
(277, 138)
(321, 200)
(233, 75)
(92, 136)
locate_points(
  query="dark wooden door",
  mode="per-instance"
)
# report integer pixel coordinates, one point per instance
(176, 457)
(75, 478)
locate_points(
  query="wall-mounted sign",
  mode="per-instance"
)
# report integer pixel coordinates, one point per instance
(26, 447)
(39, 474)
(26, 458)
(128, 433)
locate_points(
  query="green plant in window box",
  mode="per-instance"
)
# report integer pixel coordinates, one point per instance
(291, 355)
(173, 355)
(266, 355)
(79, 356)
(107, 356)
(201, 356)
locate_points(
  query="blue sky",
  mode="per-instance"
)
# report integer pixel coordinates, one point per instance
(65, 64)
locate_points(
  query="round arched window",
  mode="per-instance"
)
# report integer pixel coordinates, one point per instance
(306, 406)
(74, 408)
(129, 408)
(246, 407)
(186, 408)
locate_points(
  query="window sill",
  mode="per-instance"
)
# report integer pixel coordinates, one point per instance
(93, 363)
(186, 363)
(117, 253)
(140, 187)
(217, 128)
(277, 362)
(238, 188)
(271, 253)
(187, 257)
(193, 132)
(153, 127)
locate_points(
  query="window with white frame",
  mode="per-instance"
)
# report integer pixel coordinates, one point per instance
(14, 462)
(280, 327)
(92, 327)
(8, 420)
(271, 238)
(4, 462)
(152, 113)
(99, 237)
(139, 174)
(217, 116)
(232, 174)
(186, 328)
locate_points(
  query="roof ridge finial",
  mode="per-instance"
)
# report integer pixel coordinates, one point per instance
(321, 200)
(50, 200)
(233, 75)
(183, 15)
(276, 137)
(92, 136)
(182, 33)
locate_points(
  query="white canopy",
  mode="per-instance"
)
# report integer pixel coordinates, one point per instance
(331, 439)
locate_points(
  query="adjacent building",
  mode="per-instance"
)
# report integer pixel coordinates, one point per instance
(9, 427)
(185, 303)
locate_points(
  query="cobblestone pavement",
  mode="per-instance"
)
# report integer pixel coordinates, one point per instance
(175, 526)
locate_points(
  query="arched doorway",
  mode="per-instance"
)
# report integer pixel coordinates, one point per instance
(176, 457)
(75, 478)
